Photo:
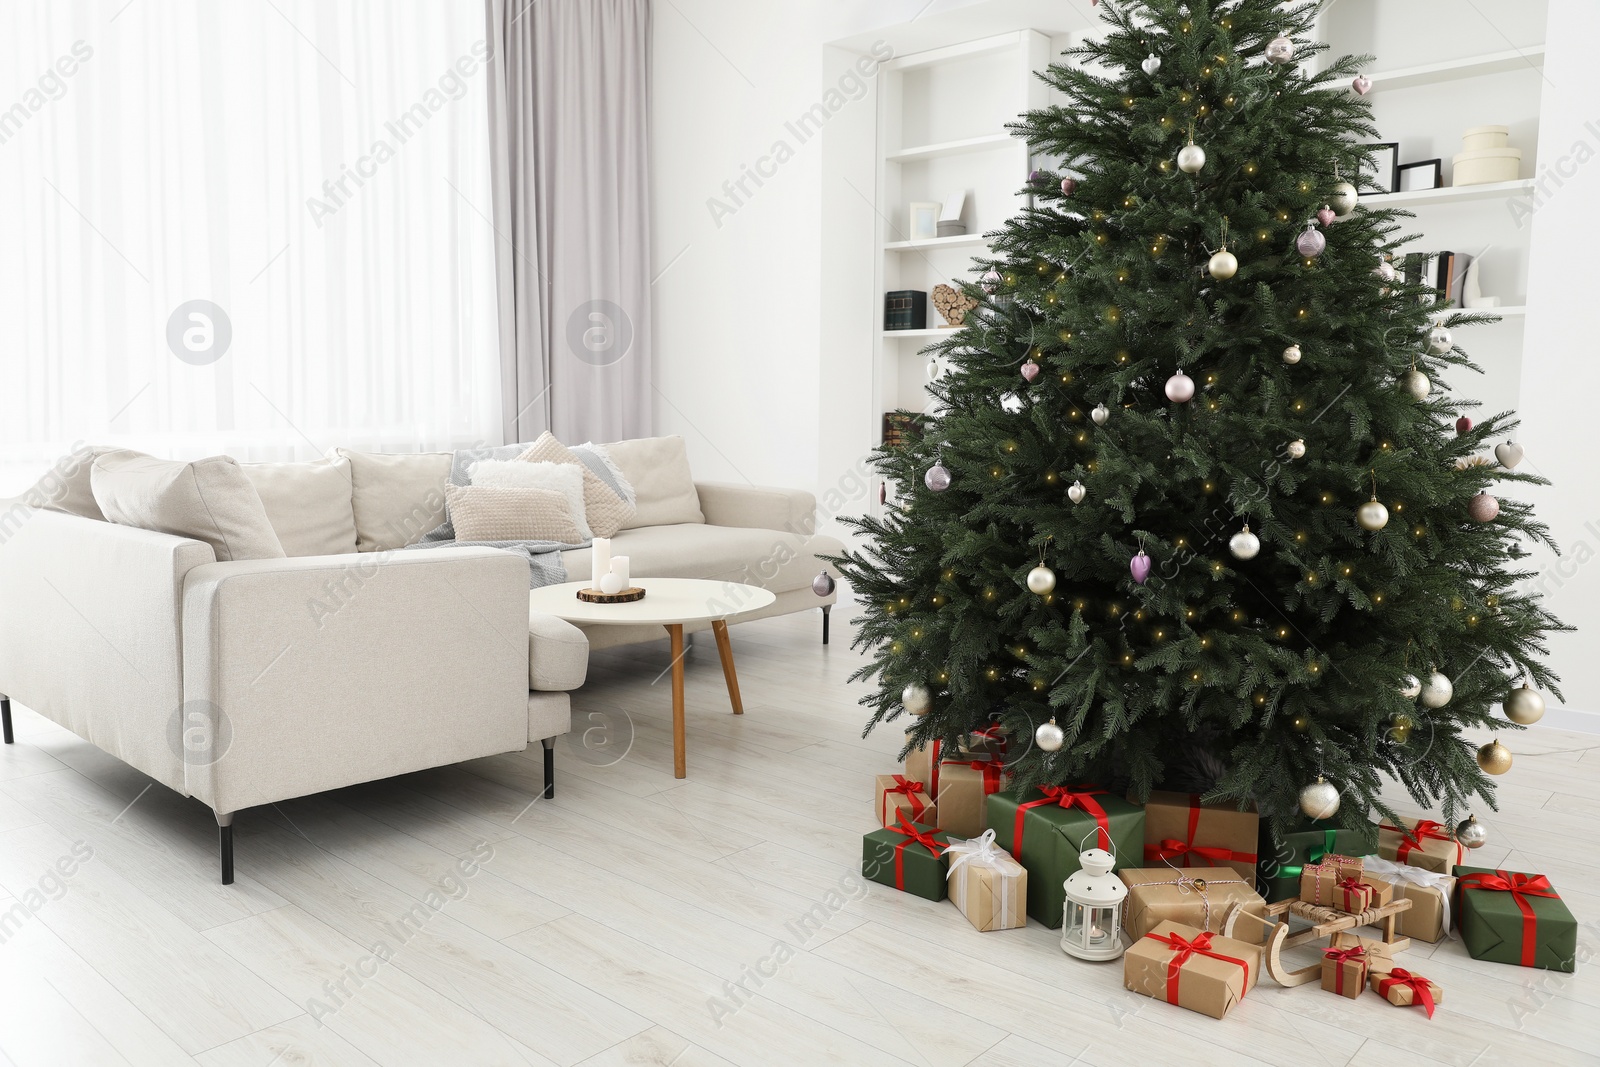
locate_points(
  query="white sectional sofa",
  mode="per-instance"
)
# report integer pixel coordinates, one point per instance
(245, 682)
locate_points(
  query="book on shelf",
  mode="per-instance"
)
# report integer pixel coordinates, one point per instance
(901, 428)
(905, 309)
(1445, 272)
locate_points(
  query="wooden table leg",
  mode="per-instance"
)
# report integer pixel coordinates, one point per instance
(725, 650)
(679, 762)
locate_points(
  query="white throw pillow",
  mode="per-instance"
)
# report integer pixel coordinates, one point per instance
(563, 478)
(604, 510)
(496, 513)
(208, 500)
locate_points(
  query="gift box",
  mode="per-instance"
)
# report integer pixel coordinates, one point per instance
(896, 792)
(1047, 829)
(908, 856)
(964, 788)
(922, 764)
(989, 741)
(1181, 831)
(1191, 968)
(987, 885)
(1510, 917)
(1200, 897)
(1343, 887)
(1429, 892)
(1399, 986)
(1421, 843)
(1348, 960)
(1281, 860)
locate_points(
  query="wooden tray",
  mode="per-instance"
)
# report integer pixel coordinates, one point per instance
(594, 596)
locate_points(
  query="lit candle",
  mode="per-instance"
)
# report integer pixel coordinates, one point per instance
(599, 561)
(619, 567)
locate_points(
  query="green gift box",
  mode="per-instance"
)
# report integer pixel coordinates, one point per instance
(1047, 829)
(908, 856)
(1278, 868)
(1510, 917)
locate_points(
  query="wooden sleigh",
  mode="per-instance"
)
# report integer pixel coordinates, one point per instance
(1325, 922)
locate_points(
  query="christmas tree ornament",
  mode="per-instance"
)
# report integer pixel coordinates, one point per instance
(1030, 370)
(1035, 177)
(1180, 388)
(823, 584)
(1295, 449)
(1372, 515)
(937, 478)
(991, 281)
(1463, 426)
(1049, 736)
(1319, 800)
(1311, 243)
(1139, 567)
(1494, 758)
(1041, 580)
(1343, 199)
(1508, 454)
(1439, 341)
(1415, 384)
(1385, 271)
(1362, 85)
(916, 698)
(933, 369)
(1483, 508)
(1410, 686)
(1076, 492)
(1244, 544)
(1100, 414)
(1472, 833)
(1291, 355)
(1325, 215)
(1280, 50)
(1223, 265)
(1436, 690)
(1191, 157)
(1069, 186)
(1151, 64)
(1524, 706)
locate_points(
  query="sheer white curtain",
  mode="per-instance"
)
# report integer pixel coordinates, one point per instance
(317, 169)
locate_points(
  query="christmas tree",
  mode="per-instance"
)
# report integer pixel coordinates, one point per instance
(1193, 490)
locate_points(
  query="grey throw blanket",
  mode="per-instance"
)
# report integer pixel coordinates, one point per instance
(544, 557)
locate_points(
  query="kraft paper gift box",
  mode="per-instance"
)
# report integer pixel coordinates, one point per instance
(1200, 897)
(922, 764)
(1511, 917)
(1048, 829)
(1421, 843)
(989, 741)
(1281, 860)
(1400, 986)
(896, 792)
(1348, 960)
(1180, 830)
(1191, 968)
(1430, 894)
(908, 856)
(987, 885)
(965, 785)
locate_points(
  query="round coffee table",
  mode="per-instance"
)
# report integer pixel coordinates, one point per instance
(668, 602)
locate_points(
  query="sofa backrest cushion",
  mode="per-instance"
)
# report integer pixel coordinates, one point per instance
(207, 500)
(65, 486)
(658, 468)
(308, 504)
(397, 497)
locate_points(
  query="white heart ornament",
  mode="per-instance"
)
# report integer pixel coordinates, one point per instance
(1509, 454)
(1151, 64)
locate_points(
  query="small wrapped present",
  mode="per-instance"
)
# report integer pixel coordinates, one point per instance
(1331, 884)
(1347, 961)
(988, 741)
(964, 788)
(1421, 843)
(1048, 829)
(1429, 893)
(1399, 986)
(909, 856)
(1200, 897)
(1191, 968)
(922, 764)
(987, 885)
(896, 792)
(1509, 917)
(1280, 863)
(1182, 832)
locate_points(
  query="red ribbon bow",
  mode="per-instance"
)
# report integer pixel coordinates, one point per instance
(1355, 888)
(910, 789)
(913, 836)
(1171, 847)
(1184, 950)
(1520, 886)
(1068, 797)
(1421, 988)
(1412, 839)
(1339, 957)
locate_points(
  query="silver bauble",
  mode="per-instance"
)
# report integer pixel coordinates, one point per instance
(823, 584)
(991, 281)
(1524, 706)
(1319, 800)
(1076, 492)
(1436, 691)
(1180, 388)
(1372, 516)
(1295, 449)
(1244, 544)
(1439, 340)
(937, 478)
(1191, 157)
(1410, 686)
(916, 698)
(1291, 355)
(1049, 736)
(1223, 265)
(1472, 833)
(1343, 199)
(1151, 64)
(1280, 50)
(1100, 414)
(1416, 384)
(1385, 271)
(1041, 580)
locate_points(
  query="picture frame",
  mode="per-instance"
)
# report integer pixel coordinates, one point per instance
(1423, 174)
(1382, 168)
(924, 220)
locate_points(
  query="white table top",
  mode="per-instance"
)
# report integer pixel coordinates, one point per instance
(667, 602)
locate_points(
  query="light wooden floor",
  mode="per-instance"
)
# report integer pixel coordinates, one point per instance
(609, 926)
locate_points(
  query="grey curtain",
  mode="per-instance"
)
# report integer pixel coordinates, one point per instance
(570, 136)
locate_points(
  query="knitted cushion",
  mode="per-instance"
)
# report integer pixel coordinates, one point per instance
(499, 513)
(564, 478)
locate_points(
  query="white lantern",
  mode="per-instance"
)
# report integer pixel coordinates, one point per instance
(1091, 929)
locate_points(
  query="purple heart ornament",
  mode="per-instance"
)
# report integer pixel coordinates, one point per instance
(1140, 566)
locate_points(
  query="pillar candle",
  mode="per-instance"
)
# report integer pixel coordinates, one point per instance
(619, 567)
(599, 561)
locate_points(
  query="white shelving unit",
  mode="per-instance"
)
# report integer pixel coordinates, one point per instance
(1453, 194)
(1456, 69)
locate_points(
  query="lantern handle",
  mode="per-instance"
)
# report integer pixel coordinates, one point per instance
(1082, 841)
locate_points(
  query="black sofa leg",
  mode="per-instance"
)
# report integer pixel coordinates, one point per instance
(225, 843)
(549, 768)
(825, 609)
(5, 720)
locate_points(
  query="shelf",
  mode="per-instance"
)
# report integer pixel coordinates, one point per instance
(919, 335)
(1455, 69)
(1449, 194)
(985, 143)
(965, 240)
(1513, 311)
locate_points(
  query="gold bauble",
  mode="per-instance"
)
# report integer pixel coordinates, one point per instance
(1494, 758)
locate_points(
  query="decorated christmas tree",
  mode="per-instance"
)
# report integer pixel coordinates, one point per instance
(1194, 508)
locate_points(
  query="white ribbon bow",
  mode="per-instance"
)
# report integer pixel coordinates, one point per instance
(1390, 871)
(980, 851)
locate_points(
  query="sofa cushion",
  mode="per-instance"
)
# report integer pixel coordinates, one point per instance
(65, 486)
(664, 491)
(605, 512)
(397, 497)
(563, 478)
(558, 655)
(207, 500)
(308, 504)
(487, 513)
(772, 559)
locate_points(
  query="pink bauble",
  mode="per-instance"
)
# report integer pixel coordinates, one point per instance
(1180, 388)
(1140, 567)
(1326, 216)
(1362, 85)
(1311, 243)
(991, 281)
(1030, 370)
(1463, 425)
(1069, 186)
(937, 478)
(1483, 508)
